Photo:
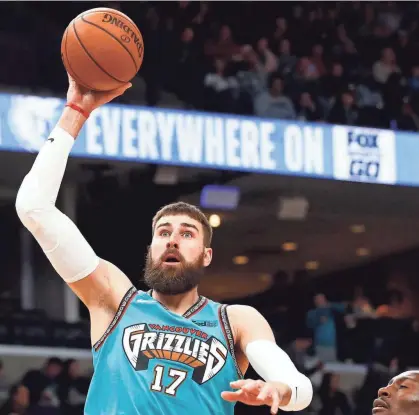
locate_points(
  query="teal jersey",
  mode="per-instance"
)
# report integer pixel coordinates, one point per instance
(153, 361)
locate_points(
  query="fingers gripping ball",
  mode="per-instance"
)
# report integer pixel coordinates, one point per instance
(102, 49)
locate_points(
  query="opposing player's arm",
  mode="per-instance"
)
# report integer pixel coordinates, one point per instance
(254, 339)
(99, 284)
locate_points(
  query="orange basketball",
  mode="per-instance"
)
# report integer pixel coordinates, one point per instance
(102, 49)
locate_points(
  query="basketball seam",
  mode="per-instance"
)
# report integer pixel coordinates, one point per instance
(113, 36)
(69, 64)
(114, 12)
(90, 56)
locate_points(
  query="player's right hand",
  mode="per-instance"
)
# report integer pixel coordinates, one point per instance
(89, 100)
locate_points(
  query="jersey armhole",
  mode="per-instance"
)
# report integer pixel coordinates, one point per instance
(123, 306)
(228, 334)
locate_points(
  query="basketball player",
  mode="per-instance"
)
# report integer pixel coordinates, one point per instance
(169, 350)
(400, 396)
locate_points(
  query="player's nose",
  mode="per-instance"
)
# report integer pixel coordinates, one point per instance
(383, 392)
(172, 244)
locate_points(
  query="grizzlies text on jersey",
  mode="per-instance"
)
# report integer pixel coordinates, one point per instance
(153, 361)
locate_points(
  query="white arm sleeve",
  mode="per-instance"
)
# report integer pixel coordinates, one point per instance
(274, 365)
(64, 245)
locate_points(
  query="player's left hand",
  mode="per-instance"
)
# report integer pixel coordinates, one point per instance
(257, 393)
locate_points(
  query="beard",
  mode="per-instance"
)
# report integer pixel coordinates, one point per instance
(172, 280)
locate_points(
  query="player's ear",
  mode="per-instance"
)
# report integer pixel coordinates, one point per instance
(207, 256)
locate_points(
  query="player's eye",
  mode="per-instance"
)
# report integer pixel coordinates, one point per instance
(187, 234)
(402, 387)
(164, 234)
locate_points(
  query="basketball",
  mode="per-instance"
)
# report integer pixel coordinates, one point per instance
(102, 49)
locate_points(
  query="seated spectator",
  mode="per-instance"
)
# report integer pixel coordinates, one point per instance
(361, 308)
(281, 29)
(408, 119)
(18, 401)
(394, 93)
(308, 108)
(186, 71)
(224, 47)
(298, 353)
(368, 24)
(361, 305)
(344, 111)
(343, 42)
(273, 104)
(4, 386)
(43, 384)
(368, 92)
(251, 78)
(72, 389)
(385, 66)
(287, 60)
(334, 401)
(413, 81)
(266, 57)
(393, 307)
(220, 90)
(307, 70)
(404, 51)
(334, 81)
(317, 59)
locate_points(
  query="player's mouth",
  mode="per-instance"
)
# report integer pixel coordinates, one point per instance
(379, 406)
(171, 259)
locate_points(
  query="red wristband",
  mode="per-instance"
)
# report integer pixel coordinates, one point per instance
(78, 109)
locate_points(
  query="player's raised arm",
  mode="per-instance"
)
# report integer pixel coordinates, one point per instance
(94, 281)
(284, 387)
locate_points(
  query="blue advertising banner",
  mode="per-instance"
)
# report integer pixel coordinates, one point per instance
(229, 142)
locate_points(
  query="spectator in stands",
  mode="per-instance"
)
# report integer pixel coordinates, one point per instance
(266, 57)
(384, 67)
(308, 108)
(287, 60)
(251, 78)
(43, 384)
(297, 352)
(322, 321)
(72, 389)
(334, 81)
(368, 93)
(3, 382)
(344, 111)
(281, 29)
(393, 307)
(18, 401)
(317, 59)
(224, 47)
(408, 119)
(273, 103)
(186, 71)
(361, 304)
(404, 51)
(334, 401)
(414, 78)
(220, 90)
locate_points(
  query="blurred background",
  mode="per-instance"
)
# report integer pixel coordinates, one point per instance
(319, 230)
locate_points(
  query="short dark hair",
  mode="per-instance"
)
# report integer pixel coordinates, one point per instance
(54, 361)
(182, 208)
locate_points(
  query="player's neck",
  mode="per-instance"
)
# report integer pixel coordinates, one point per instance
(179, 303)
